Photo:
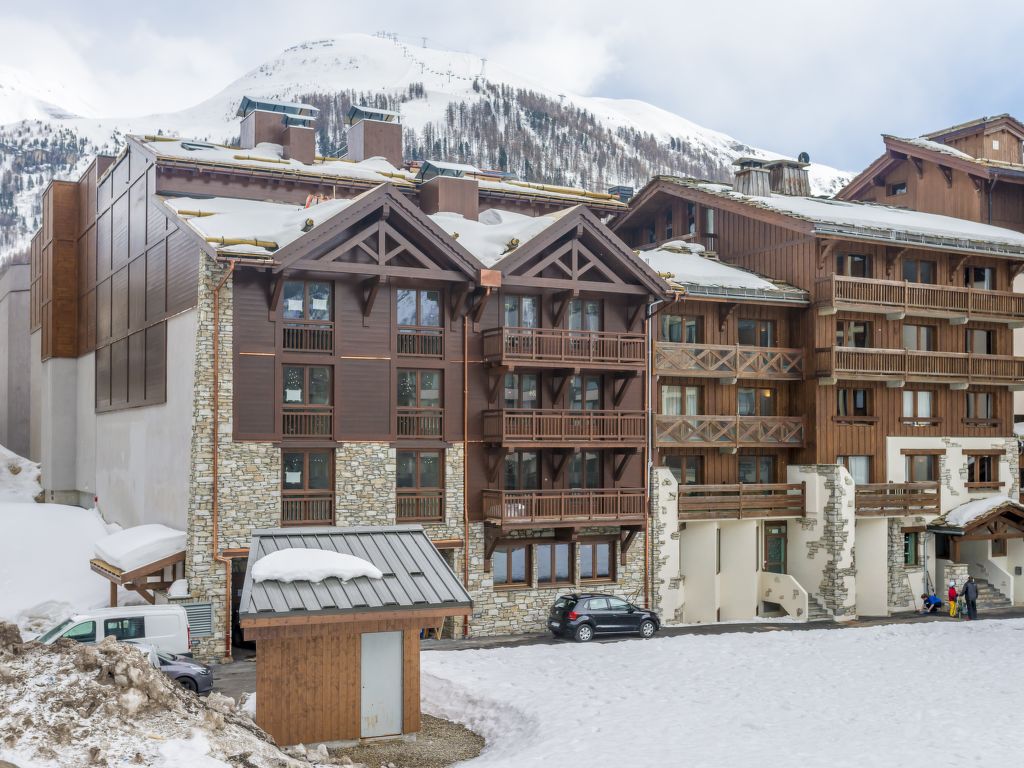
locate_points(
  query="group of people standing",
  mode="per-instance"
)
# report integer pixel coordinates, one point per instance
(968, 596)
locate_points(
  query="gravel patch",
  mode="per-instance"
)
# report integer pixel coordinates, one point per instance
(438, 744)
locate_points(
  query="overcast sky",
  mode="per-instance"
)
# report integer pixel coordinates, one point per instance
(823, 76)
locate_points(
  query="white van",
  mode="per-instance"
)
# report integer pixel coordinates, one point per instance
(165, 627)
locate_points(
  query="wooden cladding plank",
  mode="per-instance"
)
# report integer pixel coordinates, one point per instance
(137, 294)
(103, 244)
(253, 329)
(182, 272)
(254, 397)
(119, 233)
(103, 320)
(137, 367)
(156, 363)
(137, 217)
(156, 281)
(364, 408)
(119, 302)
(119, 373)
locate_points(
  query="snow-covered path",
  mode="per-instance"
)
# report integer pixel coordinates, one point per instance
(924, 695)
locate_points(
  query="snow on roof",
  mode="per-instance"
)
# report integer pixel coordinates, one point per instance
(491, 237)
(461, 167)
(141, 545)
(936, 146)
(312, 565)
(965, 514)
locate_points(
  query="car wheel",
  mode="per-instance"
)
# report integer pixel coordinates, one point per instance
(188, 684)
(584, 633)
(647, 628)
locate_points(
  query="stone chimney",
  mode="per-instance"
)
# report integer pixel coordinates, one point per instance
(446, 187)
(789, 177)
(291, 125)
(752, 177)
(374, 133)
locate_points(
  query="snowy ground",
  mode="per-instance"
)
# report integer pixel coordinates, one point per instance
(933, 694)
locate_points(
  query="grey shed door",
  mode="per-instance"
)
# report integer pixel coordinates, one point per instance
(380, 704)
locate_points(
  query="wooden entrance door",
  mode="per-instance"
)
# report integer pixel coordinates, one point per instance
(775, 547)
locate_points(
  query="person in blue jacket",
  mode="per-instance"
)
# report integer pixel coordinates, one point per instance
(930, 603)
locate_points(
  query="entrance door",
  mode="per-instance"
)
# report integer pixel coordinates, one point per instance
(380, 703)
(775, 548)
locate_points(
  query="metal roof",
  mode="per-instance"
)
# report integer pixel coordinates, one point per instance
(416, 576)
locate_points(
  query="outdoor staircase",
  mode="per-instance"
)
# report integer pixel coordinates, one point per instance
(990, 598)
(816, 612)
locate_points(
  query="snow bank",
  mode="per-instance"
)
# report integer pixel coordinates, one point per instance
(685, 265)
(140, 545)
(312, 565)
(19, 477)
(965, 514)
(490, 237)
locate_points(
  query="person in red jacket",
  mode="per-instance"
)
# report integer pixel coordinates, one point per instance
(952, 599)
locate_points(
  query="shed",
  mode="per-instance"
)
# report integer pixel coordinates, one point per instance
(340, 660)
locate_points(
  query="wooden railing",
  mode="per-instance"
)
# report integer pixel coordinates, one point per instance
(923, 366)
(736, 501)
(604, 506)
(307, 508)
(310, 336)
(421, 341)
(735, 431)
(919, 298)
(557, 345)
(307, 420)
(419, 506)
(523, 426)
(897, 499)
(674, 359)
(420, 422)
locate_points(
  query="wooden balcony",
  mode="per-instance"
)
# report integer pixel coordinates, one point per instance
(560, 348)
(307, 508)
(727, 363)
(416, 341)
(419, 506)
(729, 432)
(523, 427)
(898, 298)
(307, 420)
(420, 422)
(739, 501)
(897, 499)
(311, 336)
(564, 508)
(909, 365)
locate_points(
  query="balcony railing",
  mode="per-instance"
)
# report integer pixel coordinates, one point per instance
(420, 422)
(727, 362)
(912, 365)
(736, 501)
(605, 506)
(307, 508)
(897, 499)
(920, 299)
(729, 431)
(421, 341)
(419, 506)
(308, 336)
(557, 346)
(307, 420)
(522, 426)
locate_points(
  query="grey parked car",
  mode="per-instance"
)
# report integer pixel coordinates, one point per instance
(184, 670)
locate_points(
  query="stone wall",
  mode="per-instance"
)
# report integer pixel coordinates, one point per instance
(901, 596)
(667, 592)
(364, 492)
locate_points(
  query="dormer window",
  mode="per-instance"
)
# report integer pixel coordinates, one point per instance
(899, 188)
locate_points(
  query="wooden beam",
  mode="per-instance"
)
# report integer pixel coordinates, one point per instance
(558, 391)
(113, 595)
(334, 268)
(558, 462)
(495, 458)
(979, 184)
(918, 166)
(275, 294)
(456, 297)
(825, 252)
(947, 174)
(481, 305)
(560, 305)
(634, 313)
(724, 312)
(958, 264)
(628, 536)
(620, 386)
(369, 290)
(491, 538)
(497, 374)
(621, 462)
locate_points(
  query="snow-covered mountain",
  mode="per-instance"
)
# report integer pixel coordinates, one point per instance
(454, 105)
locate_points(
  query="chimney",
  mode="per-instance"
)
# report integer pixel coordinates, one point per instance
(752, 177)
(446, 187)
(789, 177)
(622, 192)
(374, 133)
(291, 125)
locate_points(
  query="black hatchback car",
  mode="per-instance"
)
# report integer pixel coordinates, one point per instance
(583, 616)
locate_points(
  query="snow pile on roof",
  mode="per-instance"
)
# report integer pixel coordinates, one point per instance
(684, 263)
(935, 146)
(233, 218)
(44, 562)
(493, 236)
(140, 545)
(19, 477)
(312, 565)
(965, 514)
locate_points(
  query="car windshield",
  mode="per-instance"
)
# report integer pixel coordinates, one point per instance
(51, 633)
(166, 658)
(565, 602)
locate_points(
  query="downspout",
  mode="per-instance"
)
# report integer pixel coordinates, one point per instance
(465, 463)
(217, 556)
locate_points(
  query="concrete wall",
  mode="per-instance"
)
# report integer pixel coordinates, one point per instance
(57, 394)
(15, 349)
(738, 581)
(697, 566)
(35, 422)
(872, 567)
(1015, 557)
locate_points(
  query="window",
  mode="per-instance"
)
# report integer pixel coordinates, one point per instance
(687, 470)
(922, 467)
(920, 338)
(128, 628)
(910, 548)
(899, 188)
(585, 470)
(852, 404)
(597, 561)
(521, 390)
(419, 322)
(522, 312)
(554, 563)
(585, 393)
(980, 410)
(859, 467)
(853, 265)
(755, 402)
(981, 278)
(303, 300)
(691, 218)
(585, 315)
(510, 566)
(756, 469)
(853, 333)
(979, 341)
(677, 400)
(419, 403)
(919, 271)
(82, 633)
(756, 333)
(998, 547)
(919, 408)
(419, 483)
(983, 471)
(306, 395)
(668, 224)
(680, 329)
(521, 471)
(995, 143)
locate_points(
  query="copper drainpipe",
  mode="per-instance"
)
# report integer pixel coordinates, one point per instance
(217, 556)
(465, 463)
